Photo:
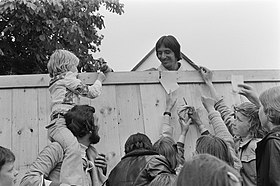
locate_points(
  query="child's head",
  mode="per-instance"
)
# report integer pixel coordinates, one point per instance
(62, 61)
(7, 172)
(215, 146)
(136, 142)
(270, 107)
(207, 170)
(164, 179)
(247, 122)
(166, 146)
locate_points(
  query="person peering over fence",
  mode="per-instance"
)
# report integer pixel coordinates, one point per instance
(65, 90)
(8, 173)
(46, 169)
(168, 51)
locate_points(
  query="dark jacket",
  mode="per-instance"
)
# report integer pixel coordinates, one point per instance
(137, 168)
(268, 159)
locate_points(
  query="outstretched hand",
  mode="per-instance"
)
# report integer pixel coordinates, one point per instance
(208, 103)
(185, 125)
(250, 93)
(206, 74)
(170, 102)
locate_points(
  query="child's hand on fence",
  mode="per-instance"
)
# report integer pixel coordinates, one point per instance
(101, 76)
(250, 93)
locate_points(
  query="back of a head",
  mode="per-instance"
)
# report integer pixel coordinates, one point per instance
(136, 142)
(171, 43)
(80, 120)
(270, 100)
(6, 156)
(164, 179)
(215, 146)
(251, 111)
(166, 146)
(207, 170)
(61, 61)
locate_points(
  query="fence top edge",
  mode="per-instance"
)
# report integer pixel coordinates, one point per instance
(143, 77)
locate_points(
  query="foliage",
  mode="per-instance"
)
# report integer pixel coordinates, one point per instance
(30, 30)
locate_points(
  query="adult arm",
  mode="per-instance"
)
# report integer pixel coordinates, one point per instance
(47, 160)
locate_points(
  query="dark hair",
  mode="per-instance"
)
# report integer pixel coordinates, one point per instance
(171, 43)
(167, 147)
(6, 156)
(80, 120)
(215, 146)
(164, 179)
(251, 111)
(137, 141)
(207, 170)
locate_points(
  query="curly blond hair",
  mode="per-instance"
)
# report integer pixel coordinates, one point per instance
(61, 61)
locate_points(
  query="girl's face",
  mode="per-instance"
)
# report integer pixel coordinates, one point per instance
(263, 118)
(8, 174)
(167, 57)
(241, 125)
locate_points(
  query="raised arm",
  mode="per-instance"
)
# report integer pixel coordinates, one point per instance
(166, 127)
(220, 128)
(250, 93)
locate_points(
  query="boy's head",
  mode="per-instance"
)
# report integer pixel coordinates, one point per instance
(215, 146)
(137, 141)
(247, 122)
(7, 172)
(167, 147)
(270, 106)
(62, 61)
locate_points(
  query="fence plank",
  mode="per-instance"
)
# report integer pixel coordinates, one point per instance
(5, 118)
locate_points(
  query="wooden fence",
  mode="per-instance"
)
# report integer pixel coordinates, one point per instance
(130, 102)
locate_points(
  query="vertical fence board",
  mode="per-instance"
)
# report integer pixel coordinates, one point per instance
(106, 110)
(25, 128)
(5, 118)
(130, 117)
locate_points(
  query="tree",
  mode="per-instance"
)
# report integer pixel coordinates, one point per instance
(30, 30)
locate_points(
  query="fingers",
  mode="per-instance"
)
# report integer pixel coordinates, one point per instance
(100, 161)
(245, 86)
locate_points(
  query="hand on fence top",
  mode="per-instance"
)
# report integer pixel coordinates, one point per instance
(206, 74)
(250, 93)
(101, 76)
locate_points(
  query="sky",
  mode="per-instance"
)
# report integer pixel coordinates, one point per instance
(218, 34)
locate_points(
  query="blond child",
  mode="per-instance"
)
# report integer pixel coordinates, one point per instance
(65, 90)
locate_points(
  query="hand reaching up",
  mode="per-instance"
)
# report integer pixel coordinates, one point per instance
(206, 74)
(250, 93)
(208, 103)
(170, 102)
(185, 125)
